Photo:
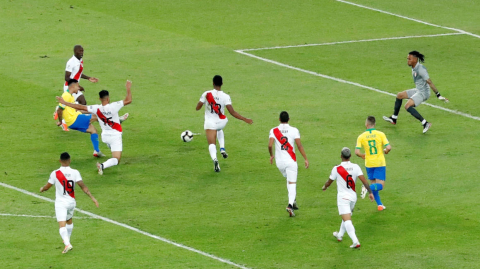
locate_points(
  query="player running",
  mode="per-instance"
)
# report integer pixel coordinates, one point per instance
(374, 142)
(107, 115)
(416, 96)
(284, 135)
(64, 180)
(215, 120)
(76, 120)
(346, 175)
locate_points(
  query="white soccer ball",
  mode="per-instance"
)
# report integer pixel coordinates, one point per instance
(186, 136)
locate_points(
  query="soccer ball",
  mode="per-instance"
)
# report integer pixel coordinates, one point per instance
(186, 136)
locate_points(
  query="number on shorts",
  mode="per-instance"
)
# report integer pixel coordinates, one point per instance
(215, 108)
(67, 186)
(372, 147)
(350, 182)
(284, 142)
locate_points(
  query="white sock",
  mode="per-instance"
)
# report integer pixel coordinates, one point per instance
(110, 162)
(351, 231)
(69, 229)
(212, 148)
(64, 234)
(342, 230)
(394, 116)
(292, 193)
(424, 121)
(221, 138)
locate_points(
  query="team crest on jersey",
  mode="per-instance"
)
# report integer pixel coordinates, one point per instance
(415, 74)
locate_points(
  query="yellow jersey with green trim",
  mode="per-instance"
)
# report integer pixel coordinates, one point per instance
(373, 142)
(69, 114)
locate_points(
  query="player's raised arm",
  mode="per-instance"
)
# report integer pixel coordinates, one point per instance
(128, 98)
(74, 106)
(270, 149)
(87, 192)
(367, 186)
(237, 115)
(302, 151)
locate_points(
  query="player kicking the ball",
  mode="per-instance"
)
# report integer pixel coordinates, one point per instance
(346, 175)
(416, 96)
(107, 115)
(215, 120)
(283, 136)
(64, 180)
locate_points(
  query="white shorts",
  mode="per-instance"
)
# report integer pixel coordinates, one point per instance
(113, 141)
(215, 124)
(64, 211)
(289, 170)
(345, 206)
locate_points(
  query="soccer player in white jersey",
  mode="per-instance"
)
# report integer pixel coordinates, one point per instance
(110, 122)
(283, 136)
(64, 180)
(346, 175)
(215, 120)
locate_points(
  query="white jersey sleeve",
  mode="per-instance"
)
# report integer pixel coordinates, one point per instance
(333, 174)
(228, 100)
(203, 98)
(70, 66)
(116, 106)
(93, 109)
(52, 178)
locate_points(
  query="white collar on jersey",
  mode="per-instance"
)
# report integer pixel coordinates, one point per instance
(284, 124)
(347, 162)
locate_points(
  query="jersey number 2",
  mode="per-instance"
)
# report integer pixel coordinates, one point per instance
(284, 142)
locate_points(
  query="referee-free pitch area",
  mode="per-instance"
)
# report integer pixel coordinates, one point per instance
(166, 188)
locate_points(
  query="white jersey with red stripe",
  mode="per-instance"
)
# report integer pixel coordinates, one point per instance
(108, 117)
(75, 67)
(346, 175)
(64, 180)
(215, 103)
(285, 136)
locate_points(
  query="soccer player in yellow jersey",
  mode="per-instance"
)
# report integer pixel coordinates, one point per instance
(75, 119)
(375, 144)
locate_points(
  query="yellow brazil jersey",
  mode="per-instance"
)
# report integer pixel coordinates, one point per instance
(69, 114)
(373, 142)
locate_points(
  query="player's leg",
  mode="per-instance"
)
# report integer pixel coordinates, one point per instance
(212, 147)
(61, 214)
(347, 219)
(116, 146)
(398, 104)
(379, 175)
(94, 138)
(69, 226)
(413, 102)
(221, 142)
(291, 171)
(79, 97)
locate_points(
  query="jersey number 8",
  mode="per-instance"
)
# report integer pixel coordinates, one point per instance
(372, 147)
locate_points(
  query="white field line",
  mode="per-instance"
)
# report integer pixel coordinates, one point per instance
(351, 83)
(351, 41)
(34, 216)
(129, 227)
(411, 19)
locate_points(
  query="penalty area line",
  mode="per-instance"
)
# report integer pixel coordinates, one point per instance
(129, 227)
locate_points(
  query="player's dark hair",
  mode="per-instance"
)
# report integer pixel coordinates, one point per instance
(217, 80)
(371, 120)
(284, 116)
(72, 81)
(103, 93)
(76, 47)
(65, 156)
(417, 54)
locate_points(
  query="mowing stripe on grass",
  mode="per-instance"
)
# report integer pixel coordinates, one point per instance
(351, 83)
(129, 227)
(411, 19)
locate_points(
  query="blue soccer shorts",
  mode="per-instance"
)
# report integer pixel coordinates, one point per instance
(81, 123)
(377, 172)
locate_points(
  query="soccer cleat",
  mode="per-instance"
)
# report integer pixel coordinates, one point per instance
(67, 249)
(339, 238)
(224, 153)
(290, 210)
(295, 207)
(390, 119)
(64, 127)
(426, 126)
(381, 207)
(216, 166)
(355, 245)
(98, 154)
(364, 192)
(100, 168)
(124, 117)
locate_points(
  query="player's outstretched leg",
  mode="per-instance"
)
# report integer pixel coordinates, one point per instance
(339, 235)
(124, 117)
(221, 141)
(351, 233)
(212, 148)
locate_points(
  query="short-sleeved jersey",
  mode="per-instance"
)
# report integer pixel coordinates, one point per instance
(64, 180)
(69, 114)
(420, 77)
(373, 142)
(75, 67)
(284, 136)
(108, 117)
(215, 103)
(346, 175)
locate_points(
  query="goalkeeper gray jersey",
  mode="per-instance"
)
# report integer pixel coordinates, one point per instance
(420, 77)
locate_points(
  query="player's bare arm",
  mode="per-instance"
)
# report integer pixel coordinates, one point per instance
(367, 186)
(128, 98)
(387, 149)
(327, 184)
(87, 192)
(270, 149)
(60, 114)
(238, 116)
(434, 89)
(74, 106)
(199, 106)
(359, 154)
(46, 187)
(302, 151)
(91, 79)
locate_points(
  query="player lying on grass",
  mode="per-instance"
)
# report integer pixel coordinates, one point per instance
(107, 116)
(64, 180)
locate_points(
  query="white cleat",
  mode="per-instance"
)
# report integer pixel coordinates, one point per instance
(67, 249)
(100, 168)
(364, 192)
(98, 154)
(426, 127)
(124, 117)
(339, 238)
(355, 245)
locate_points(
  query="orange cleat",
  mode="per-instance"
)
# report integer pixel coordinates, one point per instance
(381, 207)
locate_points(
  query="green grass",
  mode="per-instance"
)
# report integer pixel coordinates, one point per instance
(171, 50)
